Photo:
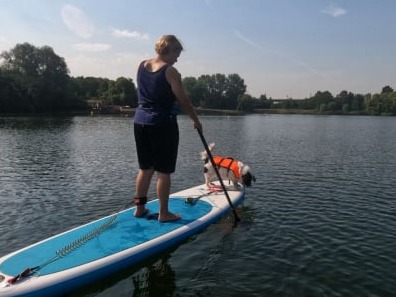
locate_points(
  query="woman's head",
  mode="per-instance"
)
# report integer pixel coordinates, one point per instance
(168, 44)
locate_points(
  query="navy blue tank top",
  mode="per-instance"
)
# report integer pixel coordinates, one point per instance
(156, 101)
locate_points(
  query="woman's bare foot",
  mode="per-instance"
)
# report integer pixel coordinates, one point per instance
(169, 217)
(140, 211)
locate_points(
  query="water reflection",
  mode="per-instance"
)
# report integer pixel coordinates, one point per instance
(158, 277)
(36, 122)
(150, 278)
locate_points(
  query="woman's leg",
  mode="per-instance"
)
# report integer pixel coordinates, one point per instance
(143, 180)
(163, 191)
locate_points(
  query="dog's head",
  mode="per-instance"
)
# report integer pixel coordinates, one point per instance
(246, 175)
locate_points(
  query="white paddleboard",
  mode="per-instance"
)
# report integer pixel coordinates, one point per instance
(77, 257)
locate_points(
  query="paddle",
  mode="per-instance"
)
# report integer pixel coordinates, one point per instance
(237, 219)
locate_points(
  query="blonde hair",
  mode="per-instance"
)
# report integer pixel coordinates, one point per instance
(168, 43)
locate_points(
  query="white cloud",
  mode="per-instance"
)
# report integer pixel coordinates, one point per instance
(76, 21)
(334, 11)
(130, 34)
(92, 47)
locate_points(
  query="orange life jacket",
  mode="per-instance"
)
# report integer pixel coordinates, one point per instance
(228, 163)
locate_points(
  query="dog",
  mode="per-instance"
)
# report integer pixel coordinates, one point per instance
(229, 169)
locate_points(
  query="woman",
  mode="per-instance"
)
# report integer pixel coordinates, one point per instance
(160, 93)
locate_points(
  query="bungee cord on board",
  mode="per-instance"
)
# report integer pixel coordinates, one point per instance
(62, 252)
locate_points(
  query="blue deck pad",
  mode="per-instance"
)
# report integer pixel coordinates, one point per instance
(126, 232)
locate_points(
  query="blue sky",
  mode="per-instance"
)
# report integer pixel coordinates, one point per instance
(282, 48)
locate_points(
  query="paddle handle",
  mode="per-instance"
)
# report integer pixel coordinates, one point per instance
(237, 219)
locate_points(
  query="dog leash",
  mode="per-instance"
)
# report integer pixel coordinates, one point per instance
(194, 200)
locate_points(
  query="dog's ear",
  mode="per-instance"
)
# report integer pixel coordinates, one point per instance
(254, 178)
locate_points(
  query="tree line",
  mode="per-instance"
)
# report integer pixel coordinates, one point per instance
(345, 102)
(36, 80)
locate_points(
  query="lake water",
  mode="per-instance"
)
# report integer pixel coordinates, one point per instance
(319, 221)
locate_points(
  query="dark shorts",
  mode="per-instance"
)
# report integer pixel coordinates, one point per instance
(157, 146)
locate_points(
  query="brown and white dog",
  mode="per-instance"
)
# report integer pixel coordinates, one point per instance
(229, 169)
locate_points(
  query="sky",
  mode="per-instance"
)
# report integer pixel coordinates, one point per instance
(280, 48)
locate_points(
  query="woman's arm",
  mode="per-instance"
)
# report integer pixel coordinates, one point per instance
(174, 79)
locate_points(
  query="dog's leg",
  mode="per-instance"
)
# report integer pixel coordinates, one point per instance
(235, 183)
(208, 181)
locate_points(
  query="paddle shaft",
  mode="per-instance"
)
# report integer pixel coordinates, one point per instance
(237, 219)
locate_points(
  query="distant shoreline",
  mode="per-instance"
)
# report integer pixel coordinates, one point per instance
(206, 111)
(119, 111)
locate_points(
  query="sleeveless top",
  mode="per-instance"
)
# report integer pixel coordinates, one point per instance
(156, 101)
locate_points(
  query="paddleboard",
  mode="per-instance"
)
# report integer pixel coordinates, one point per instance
(65, 262)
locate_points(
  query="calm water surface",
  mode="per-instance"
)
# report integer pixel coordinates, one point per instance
(319, 221)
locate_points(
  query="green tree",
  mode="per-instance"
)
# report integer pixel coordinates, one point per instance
(245, 103)
(235, 88)
(321, 100)
(262, 102)
(357, 102)
(195, 90)
(217, 90)
(40, 76)
(126, 91)
(208, 91)
(9, 94)
(386, 89)
(343, 101)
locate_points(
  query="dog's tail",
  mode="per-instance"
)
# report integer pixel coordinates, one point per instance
(204, 154)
